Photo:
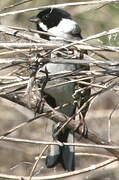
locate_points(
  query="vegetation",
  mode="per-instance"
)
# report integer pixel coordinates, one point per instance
(25, 123)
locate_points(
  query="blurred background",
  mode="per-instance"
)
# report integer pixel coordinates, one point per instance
(18, 159)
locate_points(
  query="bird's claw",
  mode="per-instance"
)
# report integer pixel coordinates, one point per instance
(82, 127)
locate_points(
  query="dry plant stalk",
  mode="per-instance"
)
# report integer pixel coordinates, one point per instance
(21, 85)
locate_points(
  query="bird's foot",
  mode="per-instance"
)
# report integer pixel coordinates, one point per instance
(82, 128)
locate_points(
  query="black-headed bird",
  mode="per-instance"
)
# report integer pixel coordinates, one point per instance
(60, 24)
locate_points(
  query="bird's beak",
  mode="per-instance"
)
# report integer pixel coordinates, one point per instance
(34, 19)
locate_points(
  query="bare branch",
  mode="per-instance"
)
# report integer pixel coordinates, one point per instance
(14, 5)
(32, 142)
(60, 5)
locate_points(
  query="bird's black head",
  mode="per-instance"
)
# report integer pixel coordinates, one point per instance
(50, 17)
(56, 22)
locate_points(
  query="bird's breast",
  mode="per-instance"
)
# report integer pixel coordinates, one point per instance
(60, 89)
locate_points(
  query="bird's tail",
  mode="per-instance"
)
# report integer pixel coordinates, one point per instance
(62, 154)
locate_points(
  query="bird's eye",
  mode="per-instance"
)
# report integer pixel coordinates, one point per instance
(45, 17)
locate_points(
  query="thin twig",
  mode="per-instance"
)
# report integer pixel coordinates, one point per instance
(59, 6)
(36, 162)
(34, 142)
(15, 4)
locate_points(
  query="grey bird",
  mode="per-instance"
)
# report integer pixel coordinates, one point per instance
(60, 23)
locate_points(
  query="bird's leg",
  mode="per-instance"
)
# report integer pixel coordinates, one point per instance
(82, 125)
